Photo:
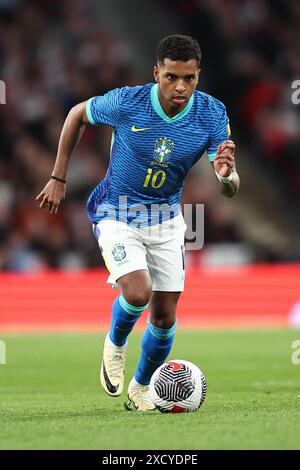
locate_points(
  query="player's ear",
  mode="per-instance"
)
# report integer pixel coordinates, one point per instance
(156, 74)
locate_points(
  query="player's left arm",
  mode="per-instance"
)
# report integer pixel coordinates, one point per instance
(225, 168)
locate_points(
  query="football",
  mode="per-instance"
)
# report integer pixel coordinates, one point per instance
(178, 386)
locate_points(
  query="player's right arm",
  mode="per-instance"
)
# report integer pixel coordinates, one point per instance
(72, 130)
(97, 110)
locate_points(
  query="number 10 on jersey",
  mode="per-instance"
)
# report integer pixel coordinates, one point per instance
(156, 179)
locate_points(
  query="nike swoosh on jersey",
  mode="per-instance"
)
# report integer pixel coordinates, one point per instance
(140, 129)
(112, 388)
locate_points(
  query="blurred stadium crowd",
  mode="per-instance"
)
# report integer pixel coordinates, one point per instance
(51, 58)
(54, 54)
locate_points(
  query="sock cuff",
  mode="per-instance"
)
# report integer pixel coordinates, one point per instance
(161, 333)
(130, 308)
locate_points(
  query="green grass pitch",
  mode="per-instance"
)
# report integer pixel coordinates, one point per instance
(50, 396)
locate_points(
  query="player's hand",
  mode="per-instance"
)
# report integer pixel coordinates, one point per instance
(52, 195)
(225, 161)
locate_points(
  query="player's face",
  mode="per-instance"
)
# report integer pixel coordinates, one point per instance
(177, 81)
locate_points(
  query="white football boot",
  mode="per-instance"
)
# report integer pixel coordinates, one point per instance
(112, 368)
(138, 397)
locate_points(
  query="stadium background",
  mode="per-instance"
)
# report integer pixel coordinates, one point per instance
(54, 54)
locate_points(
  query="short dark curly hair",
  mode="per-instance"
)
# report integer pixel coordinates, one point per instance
(178, 47)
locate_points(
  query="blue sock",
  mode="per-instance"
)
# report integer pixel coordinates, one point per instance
(156, 345)
(124, 317)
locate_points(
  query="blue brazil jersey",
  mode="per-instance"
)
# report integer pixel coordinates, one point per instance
(151, 153)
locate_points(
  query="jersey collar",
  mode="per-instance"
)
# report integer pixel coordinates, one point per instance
(159, 110)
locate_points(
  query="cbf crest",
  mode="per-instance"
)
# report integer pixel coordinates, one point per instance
(119, 252)
(163, 148)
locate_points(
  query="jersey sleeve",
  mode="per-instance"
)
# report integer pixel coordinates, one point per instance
(105, 109)
(220, 131)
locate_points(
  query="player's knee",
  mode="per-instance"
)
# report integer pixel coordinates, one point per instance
(138, 297)
(163, 315)
(167, 322)
(136, 288)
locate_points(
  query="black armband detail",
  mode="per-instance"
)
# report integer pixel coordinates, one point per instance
(58, 179)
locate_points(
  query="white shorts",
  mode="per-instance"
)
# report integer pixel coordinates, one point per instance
(157, 248)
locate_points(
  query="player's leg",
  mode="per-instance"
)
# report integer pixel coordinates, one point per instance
(124, 256)
(136, 290)
(156, 346)
(166, 267)
(159, 336)
(126, 310)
